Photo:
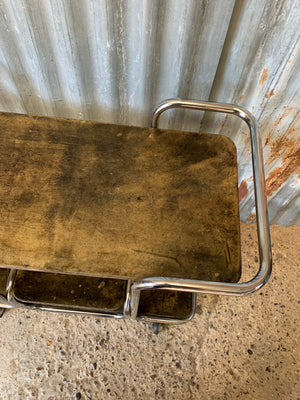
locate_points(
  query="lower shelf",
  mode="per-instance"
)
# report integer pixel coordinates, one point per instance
(90, 294)
(64, 290)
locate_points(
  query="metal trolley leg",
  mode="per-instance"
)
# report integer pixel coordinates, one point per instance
(6, 301)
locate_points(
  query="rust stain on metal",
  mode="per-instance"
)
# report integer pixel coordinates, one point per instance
(291, 59)
(270, 93)
(277, 148)
(241, 97)
(264, 76)
(274, 180)
(289, 151)
(262, 104)
(251, 217)
(267, 96)
(224, 121)
(243, 189)
(246, 141)
(284, 113)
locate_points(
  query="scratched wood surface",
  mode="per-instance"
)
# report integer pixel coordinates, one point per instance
(117, 201)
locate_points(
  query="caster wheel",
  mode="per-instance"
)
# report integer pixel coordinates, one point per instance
(157, 327)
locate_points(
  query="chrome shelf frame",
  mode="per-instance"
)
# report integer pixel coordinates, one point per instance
(263, 229)
(134, 288)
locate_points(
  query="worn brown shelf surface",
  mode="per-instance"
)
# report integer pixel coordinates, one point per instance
(69, 291)
(117, 201)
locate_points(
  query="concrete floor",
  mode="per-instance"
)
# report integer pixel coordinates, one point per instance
(234, 348)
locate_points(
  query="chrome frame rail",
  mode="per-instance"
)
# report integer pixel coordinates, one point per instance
(6, 301)
(263, 230)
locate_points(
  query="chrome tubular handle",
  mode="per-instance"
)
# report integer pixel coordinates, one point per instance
(263, 230)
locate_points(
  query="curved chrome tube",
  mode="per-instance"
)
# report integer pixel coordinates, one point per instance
(263, 231)
(6, 301)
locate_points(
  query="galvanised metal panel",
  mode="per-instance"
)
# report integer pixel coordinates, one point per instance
(112, 61)
(260, 69)
(109, 60)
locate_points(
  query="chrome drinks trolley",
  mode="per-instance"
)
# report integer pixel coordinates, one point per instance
(121, 221)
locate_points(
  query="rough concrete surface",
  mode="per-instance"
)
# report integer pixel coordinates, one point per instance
(234, 348)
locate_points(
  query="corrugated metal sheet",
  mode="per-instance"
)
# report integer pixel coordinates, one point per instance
(260, 69)
(112, 61)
